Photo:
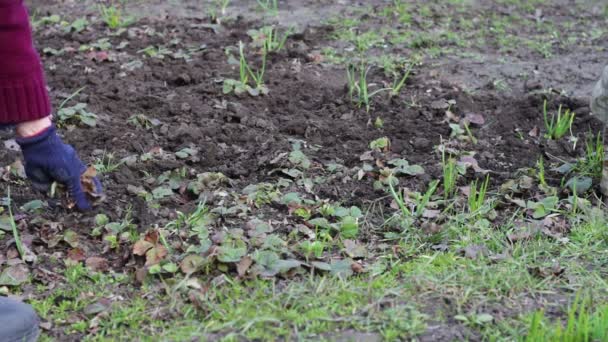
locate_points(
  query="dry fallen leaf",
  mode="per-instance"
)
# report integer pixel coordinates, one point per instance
(97, 264)
(243, 266)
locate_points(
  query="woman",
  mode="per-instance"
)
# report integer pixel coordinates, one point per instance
(25, 105)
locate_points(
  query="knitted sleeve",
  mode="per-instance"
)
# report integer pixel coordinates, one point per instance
(23, 94)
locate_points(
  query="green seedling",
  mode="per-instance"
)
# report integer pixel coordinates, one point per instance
(78, 114)
(559, 124)
(155, 52)
(312, 248)
(14, 230)
(270, 6)
(420, 200)
(246, 73)
(106, 163)
(593, 162)
(76, 26)
(358, 88)
(399, 83)
(450, 175)
(113, 17)
(269, 38)
(477, 196)
(583, 325)
(540, 173)
(218, 10)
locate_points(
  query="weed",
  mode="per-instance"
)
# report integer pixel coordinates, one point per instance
(582, 325)
(592, 164)
(400, 82)
(246, 73)
(540, 173)
(477, 197)
(13, 225)
(220, 5)
(77, 113)
(358, 87)
(106, 164)
(270, 6)
(450, 175)
(559, 124)
(269, 38)
(155, 51)
(113, 17)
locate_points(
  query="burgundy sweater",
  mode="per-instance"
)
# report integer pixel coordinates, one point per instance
(23, 94)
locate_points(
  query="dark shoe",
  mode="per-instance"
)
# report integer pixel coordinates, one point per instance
(18, 321)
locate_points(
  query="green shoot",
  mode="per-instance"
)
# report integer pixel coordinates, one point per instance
(16, 236)
(477, 197)
(559, 124)
(219, 10)
(593, 163)
(450, 175)
(400, 82)
(107, 164)
(423, 201)
(273, 41)
(271, 6)
(470, 134)
(540, 174)
(582, 325)
(398, 198)
(112, 16)
(360, 87)
(257, 76)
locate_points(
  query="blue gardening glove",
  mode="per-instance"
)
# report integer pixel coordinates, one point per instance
(49, 159)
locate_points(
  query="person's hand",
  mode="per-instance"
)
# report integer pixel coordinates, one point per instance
(49, 159)
(599, 100)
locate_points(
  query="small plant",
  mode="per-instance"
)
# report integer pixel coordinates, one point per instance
(593, 162)
(312, 248)
(450, 175)
(107, 164)
(271, 6)
(219, 9)
(400, 82)
(246, 73)
(358, 88)
(77, 113)
(143, 121)
(155, 52)
(559, 124)
(420, 201)
(477, 196)
(540, 174)
(582, 325)
(113, 17)
(269, 38)
(13, 225)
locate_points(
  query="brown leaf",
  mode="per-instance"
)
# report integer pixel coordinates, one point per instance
(357, 267)
(191, 263)
(450, 116)
(76, 254)
(476, 119)
(141, 247)
(88, 184)
(243, 266)
(155, 255)
(534, 132)
(467, 161)
(97, 264)
(152, 236)
(354, 250)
